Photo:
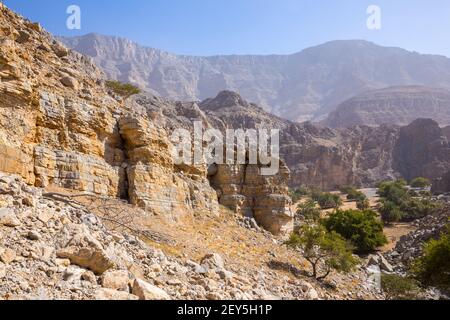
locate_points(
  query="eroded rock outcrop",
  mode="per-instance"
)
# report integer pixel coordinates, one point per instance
(245, 190)
(422, 151)
(61, 128)
(242, 188)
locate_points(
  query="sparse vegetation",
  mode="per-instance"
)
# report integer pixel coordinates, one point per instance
(297, 194)
(433, 268)
(309, 210)
(397, 203)
(399, 288)
(327, 200)
(420, 183)
(125, 90)
(362, 228)
(354, 194)
(324, 250)
(363, 204)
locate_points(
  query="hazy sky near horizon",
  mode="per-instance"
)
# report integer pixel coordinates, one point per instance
(208, 27)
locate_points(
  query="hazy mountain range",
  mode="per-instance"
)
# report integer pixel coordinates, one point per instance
(302, 86)
(393, 105)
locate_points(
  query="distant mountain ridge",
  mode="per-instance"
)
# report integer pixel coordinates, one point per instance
(302, 86)
(394, 105)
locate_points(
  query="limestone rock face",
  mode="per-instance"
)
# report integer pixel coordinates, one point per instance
(243, 189)
(155, 183)
(59, 127)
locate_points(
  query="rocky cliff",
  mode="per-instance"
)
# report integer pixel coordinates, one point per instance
(61, 128)
(395, 105)
(422, 150)
(302, 86)
(328, 158)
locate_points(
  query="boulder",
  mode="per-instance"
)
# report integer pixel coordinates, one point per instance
(7, 255)
(384, 264)
(23, 37)
(8, 218)
(89, 276)
(90, 258)
(146, 291)
(33, 235)
(2, 270)
(110, 294)
(309, 291)
(213, 261)
(73, 274)
(60, 50)
(70, 82)
(117, 280)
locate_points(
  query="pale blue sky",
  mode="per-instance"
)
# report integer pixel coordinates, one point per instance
(207, 27)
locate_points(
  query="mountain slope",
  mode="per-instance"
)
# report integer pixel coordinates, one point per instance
(303, 86)
(394, 105)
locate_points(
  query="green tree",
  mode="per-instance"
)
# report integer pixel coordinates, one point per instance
(433, 267)
(324, 250)
(125, 90)
(420, 183)
(397, 203)
(396, 191)
(309, 210)
(362, 228)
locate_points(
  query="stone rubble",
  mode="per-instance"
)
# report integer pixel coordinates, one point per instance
(410, 246)
(76, 257)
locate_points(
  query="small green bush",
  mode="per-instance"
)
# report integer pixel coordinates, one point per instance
(354, 194)
(420, 183)
(363, 204)
(389, 211)
(433, 268)
(297, 194)
(328, 200)
(124, 90)
(362, 228)
(309, 210)
(346, 189)
(399, 288)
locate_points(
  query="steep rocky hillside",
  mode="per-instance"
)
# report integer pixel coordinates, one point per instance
(93, 207)
(54, 247)
(60, 127)
(395, 105)
(302, 86)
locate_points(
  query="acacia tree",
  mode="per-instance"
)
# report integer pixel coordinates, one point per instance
(325, 251)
